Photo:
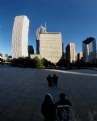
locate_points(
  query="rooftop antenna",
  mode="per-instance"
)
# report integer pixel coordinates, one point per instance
(45, 25)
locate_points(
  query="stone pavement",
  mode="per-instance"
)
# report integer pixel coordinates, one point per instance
(22, 91)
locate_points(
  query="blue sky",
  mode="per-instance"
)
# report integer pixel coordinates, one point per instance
(75, 19)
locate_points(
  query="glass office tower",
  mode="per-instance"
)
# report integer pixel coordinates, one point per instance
(89, 50)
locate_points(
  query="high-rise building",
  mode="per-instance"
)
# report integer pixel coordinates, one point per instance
(1, 56)
(5, 57)
(20, 37)
(70, 53)
(89, 50)
(49, 44)
(80, 56)
(30, 50)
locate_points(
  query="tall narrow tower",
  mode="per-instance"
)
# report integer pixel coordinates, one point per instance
(70, 52)
(20, 37)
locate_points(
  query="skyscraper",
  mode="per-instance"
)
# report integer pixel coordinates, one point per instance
(20, 37)
(30, 50)
(80, 56)
(89, 49)
(70, 52)
(49, 44)
(1, 56)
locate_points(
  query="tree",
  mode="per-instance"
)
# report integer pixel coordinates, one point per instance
(37, 62)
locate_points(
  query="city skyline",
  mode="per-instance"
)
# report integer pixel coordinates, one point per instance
(75, 19)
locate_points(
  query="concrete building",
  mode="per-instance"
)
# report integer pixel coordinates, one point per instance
(70, 53)
(20, 37)
(89, 50)
(35, 55)
(80, 56)
(6, 57)
(49, 44)
(1, 57)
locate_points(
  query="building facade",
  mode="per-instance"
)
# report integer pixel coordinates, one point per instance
(89, 50)
(20, 37)
(49, 44)
(80, 56)
(30, 50)
(70, 53)
(1, 57)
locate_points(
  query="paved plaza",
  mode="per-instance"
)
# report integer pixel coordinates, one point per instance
(22, 91)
